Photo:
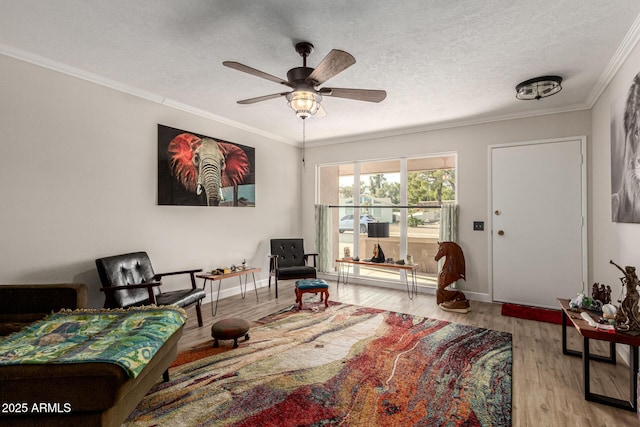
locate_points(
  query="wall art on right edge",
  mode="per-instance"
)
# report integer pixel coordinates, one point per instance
(625, 155)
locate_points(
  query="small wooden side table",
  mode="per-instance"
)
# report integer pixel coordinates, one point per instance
(589, 332)
(409, 270)
(238, 273)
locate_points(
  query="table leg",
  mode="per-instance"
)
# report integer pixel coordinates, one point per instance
(243, 293)
(565, 350)
(586, 369)
(412, 289)
(607, 359)
(414, 280)
(204, 288)
(343, 270)
(406, 281)
(213, 313)
(633, 372)
(255, 288)
(630, 405)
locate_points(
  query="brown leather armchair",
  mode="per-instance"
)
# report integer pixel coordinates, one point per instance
(288, 261)
(128, 280)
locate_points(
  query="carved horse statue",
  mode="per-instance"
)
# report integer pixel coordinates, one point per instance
(452, 270)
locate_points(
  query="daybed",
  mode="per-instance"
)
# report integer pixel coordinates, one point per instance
(21, 305)
(70, 392)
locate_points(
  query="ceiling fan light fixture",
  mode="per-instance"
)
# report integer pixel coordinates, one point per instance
(304, 103)
(539, 87)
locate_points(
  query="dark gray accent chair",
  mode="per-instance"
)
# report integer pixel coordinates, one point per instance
(128, 280)
(288, 261)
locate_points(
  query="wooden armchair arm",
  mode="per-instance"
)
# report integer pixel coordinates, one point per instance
(273, 262)
(110, 290)
(138, 286)
(173, 273)
(315, 258)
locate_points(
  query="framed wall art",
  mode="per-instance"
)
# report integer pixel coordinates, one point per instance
(625, 155)
(200, 170)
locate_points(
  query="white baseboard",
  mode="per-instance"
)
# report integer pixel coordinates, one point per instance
(428, 290)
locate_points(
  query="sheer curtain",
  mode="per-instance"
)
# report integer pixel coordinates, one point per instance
(448, 229)
(449, 222)
(323, 237)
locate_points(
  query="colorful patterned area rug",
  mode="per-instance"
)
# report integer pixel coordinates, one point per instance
(344, 365)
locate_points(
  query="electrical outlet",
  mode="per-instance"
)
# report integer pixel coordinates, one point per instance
(478, 225)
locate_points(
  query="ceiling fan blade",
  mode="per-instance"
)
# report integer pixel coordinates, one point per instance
(262, 98)
(369, 95)
(335, 62)
(246, 69)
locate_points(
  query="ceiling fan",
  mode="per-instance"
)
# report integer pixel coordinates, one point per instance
(306, 96)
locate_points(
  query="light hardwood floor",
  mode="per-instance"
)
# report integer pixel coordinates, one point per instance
(547, 386)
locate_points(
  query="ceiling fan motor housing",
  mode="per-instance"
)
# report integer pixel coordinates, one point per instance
(298, 76)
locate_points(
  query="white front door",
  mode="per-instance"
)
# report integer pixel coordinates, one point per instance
(538, 240)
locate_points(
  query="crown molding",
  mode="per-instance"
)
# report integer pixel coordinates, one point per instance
(443, 125)
(622, 53)
(50, 64)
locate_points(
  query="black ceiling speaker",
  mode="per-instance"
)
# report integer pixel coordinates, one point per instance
(378, 229)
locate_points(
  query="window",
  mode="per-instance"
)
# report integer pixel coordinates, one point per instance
(406, 193)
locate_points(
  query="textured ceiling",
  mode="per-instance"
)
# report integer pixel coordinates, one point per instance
(442, 62)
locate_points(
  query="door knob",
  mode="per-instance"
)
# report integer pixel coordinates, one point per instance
(498, 212)
(500, 232)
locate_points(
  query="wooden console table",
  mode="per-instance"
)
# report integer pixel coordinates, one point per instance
(239, 273)
(587, 332)
(412, 289)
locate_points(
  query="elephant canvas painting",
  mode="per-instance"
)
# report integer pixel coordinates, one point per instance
(199, 170)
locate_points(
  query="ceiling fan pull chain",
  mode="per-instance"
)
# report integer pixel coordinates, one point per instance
(304, 126)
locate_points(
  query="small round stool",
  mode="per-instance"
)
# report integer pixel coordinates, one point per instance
(312, 286)
(230, 329)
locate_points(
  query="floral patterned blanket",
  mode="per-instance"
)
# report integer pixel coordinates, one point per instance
(128, 338)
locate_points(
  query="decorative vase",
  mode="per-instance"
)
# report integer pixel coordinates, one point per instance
(347, 252)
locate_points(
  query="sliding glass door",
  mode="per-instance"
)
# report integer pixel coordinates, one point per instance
(407, 193)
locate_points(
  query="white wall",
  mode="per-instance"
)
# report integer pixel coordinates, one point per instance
(78, 180)
(471, 143)
(619, 242)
